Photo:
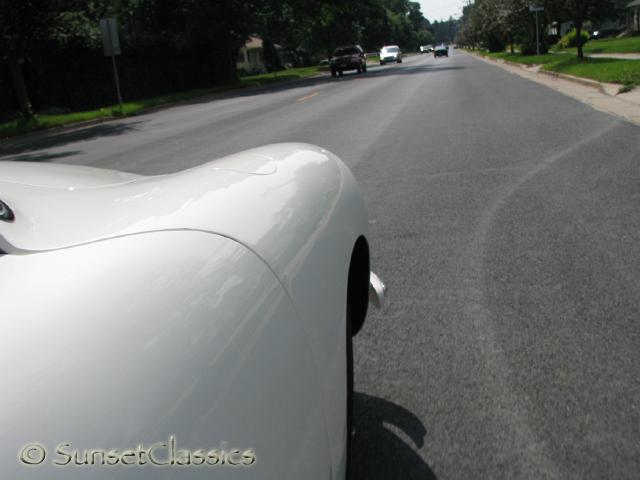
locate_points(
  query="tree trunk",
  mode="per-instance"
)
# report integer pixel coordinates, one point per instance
(20, 87)
(232, 60)
(579, 39)
(270, 54)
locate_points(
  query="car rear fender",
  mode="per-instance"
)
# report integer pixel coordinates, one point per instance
(137, 339)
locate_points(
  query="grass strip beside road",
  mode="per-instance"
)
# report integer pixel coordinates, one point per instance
(289, 74)
(524, 59)
(610, 70)
(608, 45)
(42, 121)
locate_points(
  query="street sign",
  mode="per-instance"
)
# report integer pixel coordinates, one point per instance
(110, 39)
(535, 8)
(111, 44)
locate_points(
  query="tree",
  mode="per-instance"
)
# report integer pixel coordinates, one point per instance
(371, 23)
(199, 39)
(579, 11)
(425, 37)
(520, 26)
(23, 25)
(467, 33)
(487, 24)
(421, 25)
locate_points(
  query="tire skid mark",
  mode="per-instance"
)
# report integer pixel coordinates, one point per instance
(510, 406)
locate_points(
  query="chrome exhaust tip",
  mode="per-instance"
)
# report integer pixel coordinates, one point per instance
(377, 290)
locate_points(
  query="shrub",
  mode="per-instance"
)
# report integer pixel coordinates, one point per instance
(495, 43)
(529, 48)
(627, 87)
(569, 39)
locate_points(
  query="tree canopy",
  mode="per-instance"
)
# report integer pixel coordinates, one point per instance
(494, 24)
(201, 37)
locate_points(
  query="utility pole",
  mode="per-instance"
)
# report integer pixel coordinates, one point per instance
(537, 35)
(536, 9)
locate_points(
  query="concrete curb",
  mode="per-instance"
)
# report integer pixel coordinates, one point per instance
(530, 68)
(582, 81)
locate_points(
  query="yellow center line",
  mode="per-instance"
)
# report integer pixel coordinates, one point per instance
(302, 99)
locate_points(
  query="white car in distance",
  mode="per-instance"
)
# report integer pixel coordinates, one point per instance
(390, 53)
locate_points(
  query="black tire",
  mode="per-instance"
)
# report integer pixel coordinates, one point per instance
(399, 60)
(357, 305)
(364, 68)
(349, 396)
(381, 63)
(358, 69)
(333, 73)
(340, 72)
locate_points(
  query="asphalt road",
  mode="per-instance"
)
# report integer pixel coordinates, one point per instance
(505, 219)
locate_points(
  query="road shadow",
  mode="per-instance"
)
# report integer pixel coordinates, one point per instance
(377, 452)
(373, 72)
(42, 156)
(19, 147)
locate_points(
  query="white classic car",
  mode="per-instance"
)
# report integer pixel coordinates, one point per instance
(191, 325)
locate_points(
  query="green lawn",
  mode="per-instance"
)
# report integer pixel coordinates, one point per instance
(290, 74)
(42, 121)
(610, 70)
(611, 45)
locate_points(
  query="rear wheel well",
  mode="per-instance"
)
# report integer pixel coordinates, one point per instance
(357, 304)
(358, 285)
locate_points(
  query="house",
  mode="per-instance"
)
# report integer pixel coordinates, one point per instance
(251, 57)
(559, 29)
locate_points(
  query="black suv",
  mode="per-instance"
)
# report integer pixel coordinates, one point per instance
(441, 51)
(348, 58)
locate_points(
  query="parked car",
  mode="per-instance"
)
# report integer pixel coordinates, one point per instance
(390, 53)
(441, 51)
(606, 33)
(426, 49)
(351, 57)
(203, 317)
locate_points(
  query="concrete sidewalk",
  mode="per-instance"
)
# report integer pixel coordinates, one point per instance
(601, 96)
(620, 56)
